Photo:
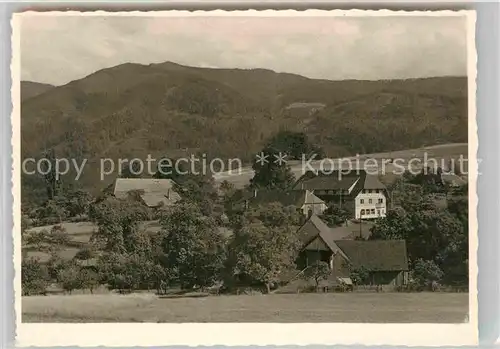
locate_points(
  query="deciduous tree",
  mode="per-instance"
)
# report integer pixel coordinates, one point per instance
(70, 278)
(265, 243)
(192, 246)
(118, 223)
(34, 277)
(317, 272)
(425, 272)
(335, 216)
(270, 173)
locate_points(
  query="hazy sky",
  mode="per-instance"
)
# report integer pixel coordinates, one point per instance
(59, 49)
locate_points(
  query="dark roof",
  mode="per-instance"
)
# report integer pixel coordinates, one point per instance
(372, 182)
(154, 192)
(333, 181)
(339, 181)
(350, 232)
(314, 227)
(376, 255)
(286, 198)
(317, 225)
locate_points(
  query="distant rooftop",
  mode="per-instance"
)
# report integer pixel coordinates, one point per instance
(154, 192)
(338, 181)
(287, 198)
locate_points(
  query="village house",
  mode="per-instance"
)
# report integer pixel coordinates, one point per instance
(360, 193)
(304, 200)
(153, 193)
(385, 260)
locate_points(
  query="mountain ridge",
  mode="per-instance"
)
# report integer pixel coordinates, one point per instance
(132, 110)
(31, 89)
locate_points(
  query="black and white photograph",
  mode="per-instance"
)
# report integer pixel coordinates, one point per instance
(299, 167)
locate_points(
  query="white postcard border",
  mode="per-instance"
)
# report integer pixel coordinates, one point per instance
(194, 334)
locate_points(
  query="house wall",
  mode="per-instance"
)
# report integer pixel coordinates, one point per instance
(391, 278)
(317, 245)
(309, 257)
(340, 266)
(373, 209)
(344, 201)
(316, 208)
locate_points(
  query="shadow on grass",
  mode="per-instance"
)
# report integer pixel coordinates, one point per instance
(183, 294)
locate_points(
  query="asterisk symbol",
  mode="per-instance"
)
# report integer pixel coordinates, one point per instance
(262, 158)
(280, 158)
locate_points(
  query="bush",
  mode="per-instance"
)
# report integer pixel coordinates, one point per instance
(55, 265)
(89, 279)
(70, 278)
(34, 277)
(317, 272)
(360, 276)
(425, 272)
(85, 253)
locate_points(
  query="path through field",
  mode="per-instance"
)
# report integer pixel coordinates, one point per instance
(349, 307)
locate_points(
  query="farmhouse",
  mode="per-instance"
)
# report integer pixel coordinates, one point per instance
(362, 194)
(153, 192)
(304, 200)
(385, 260)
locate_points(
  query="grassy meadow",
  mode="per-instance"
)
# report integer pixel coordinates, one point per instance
(308, 307)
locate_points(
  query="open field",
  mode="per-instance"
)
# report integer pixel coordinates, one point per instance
(332, 307)
(241, 177)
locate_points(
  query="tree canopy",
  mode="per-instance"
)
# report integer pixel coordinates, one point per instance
(269, 172)
(265, 243)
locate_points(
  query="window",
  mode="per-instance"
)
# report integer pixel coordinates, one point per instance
(362, 212)
(373, 211)
(378, 212)
(370, 201)
(382, 211)
(380, 201)
(361, 201)
(369, 191)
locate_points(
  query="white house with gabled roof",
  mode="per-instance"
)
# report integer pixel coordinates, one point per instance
(363, 193)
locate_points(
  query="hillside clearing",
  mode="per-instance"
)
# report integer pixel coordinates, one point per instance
(348, 307)
(441, 153)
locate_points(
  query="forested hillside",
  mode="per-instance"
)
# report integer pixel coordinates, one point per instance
(132, 110)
